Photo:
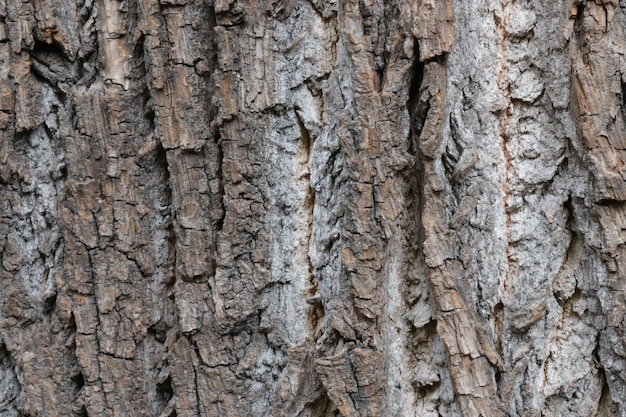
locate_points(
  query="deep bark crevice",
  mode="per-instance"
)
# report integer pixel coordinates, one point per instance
(164, 389)
(579, 32)
(54, 48)
(50, 304)
(416, 112)
(417, 115)
(623, 98)
(79, 381)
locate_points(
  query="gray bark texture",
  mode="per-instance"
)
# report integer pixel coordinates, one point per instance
(312, 208)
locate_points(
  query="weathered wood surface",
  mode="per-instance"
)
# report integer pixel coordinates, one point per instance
(312, 208)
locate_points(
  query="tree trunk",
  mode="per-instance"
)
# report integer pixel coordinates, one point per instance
(312, 208)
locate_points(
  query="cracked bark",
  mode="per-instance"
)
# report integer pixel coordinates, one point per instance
(312, 208)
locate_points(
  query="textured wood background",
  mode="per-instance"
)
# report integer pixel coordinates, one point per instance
(312, 208)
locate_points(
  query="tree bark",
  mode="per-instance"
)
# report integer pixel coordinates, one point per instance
(312, 208)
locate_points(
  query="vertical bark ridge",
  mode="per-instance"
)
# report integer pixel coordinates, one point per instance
(597, 54)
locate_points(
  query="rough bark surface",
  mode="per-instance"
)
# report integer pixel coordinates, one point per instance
(312, 208)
